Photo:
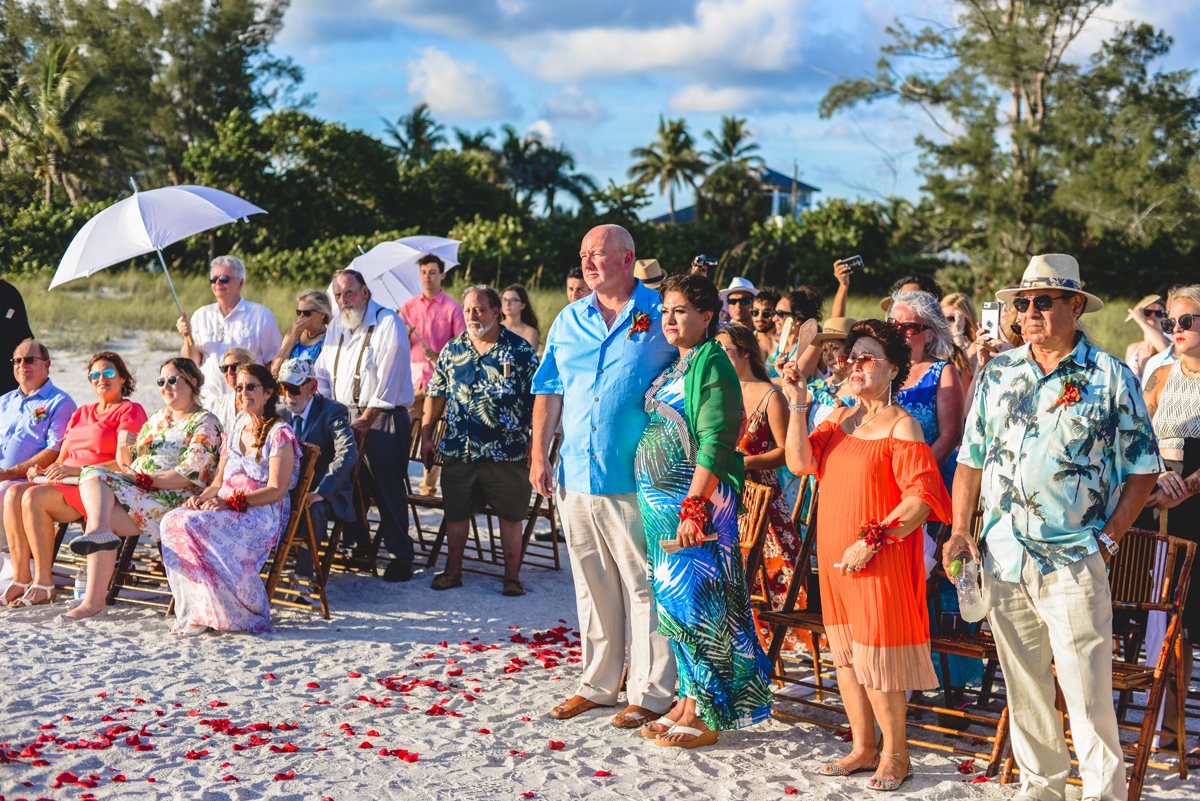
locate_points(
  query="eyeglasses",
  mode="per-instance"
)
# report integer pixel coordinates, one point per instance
(224, 279)
(243, 388)
(1184, 322)
(28, 359)
(1159, 313)
(1040, 302)
(229, 368)
(305, 312)
(746, 301)
(732, 348)
(509, 301)
(289, 389)
(860, 362)
(912, 329)
(171, 380)
(95, 375)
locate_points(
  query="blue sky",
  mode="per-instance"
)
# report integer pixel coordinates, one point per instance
(595, 75)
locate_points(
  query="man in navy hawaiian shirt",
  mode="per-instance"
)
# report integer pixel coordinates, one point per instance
(482, 381)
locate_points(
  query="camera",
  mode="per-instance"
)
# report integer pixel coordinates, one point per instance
(705, 263)
(854, 263)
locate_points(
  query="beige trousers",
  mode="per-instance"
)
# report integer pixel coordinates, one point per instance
(607, 547)
(1065, 616)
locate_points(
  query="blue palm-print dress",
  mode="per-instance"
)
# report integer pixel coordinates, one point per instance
(703, 605)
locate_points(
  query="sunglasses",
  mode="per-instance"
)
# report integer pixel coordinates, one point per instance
(762, 313)
(1184, 322)
(224, 279)
(170, 380)
(747, 301)
(1040, 302)
(912, 329)
(96, 375)
(243, 388)
(28, 359)
(860, 362)
(1159, 313)
(229, 368)
(777, 313)
(305, 312)
(289, 389)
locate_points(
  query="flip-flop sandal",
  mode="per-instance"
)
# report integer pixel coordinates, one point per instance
(191, 631)
(653, 735)
(834, 769)
(49, 589)
(13, 602)
(700, 738)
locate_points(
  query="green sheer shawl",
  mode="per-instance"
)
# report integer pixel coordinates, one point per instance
(713, 408)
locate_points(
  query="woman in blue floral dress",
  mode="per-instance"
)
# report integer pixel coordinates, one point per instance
(687, 453)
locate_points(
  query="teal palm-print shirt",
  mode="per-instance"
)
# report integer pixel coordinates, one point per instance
(489, 403)
(1052, 474)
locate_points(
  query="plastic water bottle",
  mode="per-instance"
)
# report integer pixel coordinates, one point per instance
(970, 597)
(81, 579)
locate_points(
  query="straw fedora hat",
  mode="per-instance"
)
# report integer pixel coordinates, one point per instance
(649, 272)
(834, 328)
(1052, 271)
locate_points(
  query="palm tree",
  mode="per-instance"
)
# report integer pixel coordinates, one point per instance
(671, 159)
(734, 145)
(473, 141)
(521, 155)
(46, 125)
(554, 172)
(416, 135)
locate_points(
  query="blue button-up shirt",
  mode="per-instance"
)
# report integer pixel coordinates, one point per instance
(603, 374)
(29, 425)
(1052, 472)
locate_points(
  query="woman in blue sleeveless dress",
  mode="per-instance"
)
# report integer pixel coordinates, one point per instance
(688, 451)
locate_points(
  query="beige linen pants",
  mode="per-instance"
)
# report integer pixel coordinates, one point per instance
(607, 547)
(1065, 616)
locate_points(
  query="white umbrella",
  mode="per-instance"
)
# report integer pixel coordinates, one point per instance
(390, 268)
(148, 221)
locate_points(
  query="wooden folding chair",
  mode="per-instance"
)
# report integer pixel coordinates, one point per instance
(331, 559)
(1150, 572)
(281, 594)
(140, 572)
(752, 536)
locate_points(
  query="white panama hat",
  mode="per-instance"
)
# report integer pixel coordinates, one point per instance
(738, 285)
(1052, 271)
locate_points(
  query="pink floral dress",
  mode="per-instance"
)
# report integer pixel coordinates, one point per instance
(213, 559)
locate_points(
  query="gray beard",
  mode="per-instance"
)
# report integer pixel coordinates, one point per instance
(291, 404)
(352, 316)
(476, 330)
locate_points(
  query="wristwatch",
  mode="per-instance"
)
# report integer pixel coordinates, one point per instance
(1108, 542)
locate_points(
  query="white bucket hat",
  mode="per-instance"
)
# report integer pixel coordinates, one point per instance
(738, 285)
(1052, 271)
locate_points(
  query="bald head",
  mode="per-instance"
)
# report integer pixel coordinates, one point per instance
(606, 257)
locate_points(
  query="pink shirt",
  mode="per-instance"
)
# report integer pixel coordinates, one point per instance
(436, 321)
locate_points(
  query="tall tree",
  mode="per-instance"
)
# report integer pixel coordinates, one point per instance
(555, 172)
(733, 146)
(671, 160)
(417, 135)
(45, 125)
(473, 141)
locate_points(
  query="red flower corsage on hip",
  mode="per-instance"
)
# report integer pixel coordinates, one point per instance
(875, 536)
(144, 482)
(1070, 393)
(641, 322)
(237, 501)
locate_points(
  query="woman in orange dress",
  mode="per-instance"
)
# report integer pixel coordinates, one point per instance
(875, 471)
(98, 434)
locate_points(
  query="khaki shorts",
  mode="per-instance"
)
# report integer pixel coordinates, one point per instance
(468, 486)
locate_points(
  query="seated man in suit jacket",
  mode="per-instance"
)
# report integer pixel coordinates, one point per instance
(325, 423)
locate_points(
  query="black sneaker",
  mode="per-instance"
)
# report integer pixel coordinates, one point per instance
(398, 571)
(95, 542)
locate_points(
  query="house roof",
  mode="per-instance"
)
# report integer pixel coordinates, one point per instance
(772, 178)
(685, 215)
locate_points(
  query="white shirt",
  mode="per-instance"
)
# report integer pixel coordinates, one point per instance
(300, 417)
(1158, 360)
(249, 325)
(225, 408)
(386, 378)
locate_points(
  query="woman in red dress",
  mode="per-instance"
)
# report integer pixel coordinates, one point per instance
(764, 428)
(99, 434)
(875, 472)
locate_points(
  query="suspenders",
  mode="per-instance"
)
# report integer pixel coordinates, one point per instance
(337, 358)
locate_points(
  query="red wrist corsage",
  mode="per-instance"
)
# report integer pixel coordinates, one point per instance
(875, 536)
(144, 481)
(696, 509)
(641, 322)
(237, 501)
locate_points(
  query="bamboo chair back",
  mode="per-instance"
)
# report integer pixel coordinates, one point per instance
(752, 536)
(295, 588)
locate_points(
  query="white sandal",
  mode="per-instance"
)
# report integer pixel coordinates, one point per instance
(700, 738)
(23, 587)
(653, 735)
(50, 590)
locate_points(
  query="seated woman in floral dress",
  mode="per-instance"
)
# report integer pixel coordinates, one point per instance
(174, 457)
(215, 546)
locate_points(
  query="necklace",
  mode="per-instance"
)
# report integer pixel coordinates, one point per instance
(881, 411)
(1187, 371)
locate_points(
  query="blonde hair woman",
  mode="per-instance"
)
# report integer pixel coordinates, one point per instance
(304, 340)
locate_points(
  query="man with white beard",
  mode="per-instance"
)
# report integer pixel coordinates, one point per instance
(482, 380)
(365, 366)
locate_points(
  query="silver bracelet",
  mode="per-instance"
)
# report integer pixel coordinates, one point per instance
(800, 407)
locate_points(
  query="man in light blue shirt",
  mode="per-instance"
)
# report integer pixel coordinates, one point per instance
(601, 356)
(33, 418)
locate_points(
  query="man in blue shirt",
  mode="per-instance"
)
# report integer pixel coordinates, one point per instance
(33, 419)
(602, 353)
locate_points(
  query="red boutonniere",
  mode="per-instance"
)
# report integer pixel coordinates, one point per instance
(238, 502)
(1067, 395)
(875, 536)
(641, 322)
(39, 414)
(144, 482)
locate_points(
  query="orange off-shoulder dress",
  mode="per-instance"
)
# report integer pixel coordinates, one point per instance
(876, 620)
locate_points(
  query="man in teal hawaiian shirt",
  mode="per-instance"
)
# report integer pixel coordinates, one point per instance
(1058, 446)
(482, 382)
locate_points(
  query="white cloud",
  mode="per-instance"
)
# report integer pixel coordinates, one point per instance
(702, 99)
(543, 129)
(726, 36)
(456, 89)
(569, 105)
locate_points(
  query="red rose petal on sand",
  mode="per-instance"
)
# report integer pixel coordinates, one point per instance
(279, 777)
(217, 704)
(979, 780)
(790, 790)
(484, 731)
(120, 777)
(194, 713)
(526, 795)
(603, 773)
(409, 758)
(230, 778)
(39, 763)
(526, 719)
(270, 677)
(151, 779)
(365, 744)
(354, 675)
(372, 733)
(312, 685)
(455, 672)
(101, 695)
(557, 745)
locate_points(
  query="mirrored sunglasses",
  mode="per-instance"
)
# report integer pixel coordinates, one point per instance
(1040, 302)
(96, 375)
(224, 279)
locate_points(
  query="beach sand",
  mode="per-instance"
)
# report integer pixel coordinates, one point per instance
(406, 693)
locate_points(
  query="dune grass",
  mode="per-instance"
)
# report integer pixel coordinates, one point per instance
(88, 314)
